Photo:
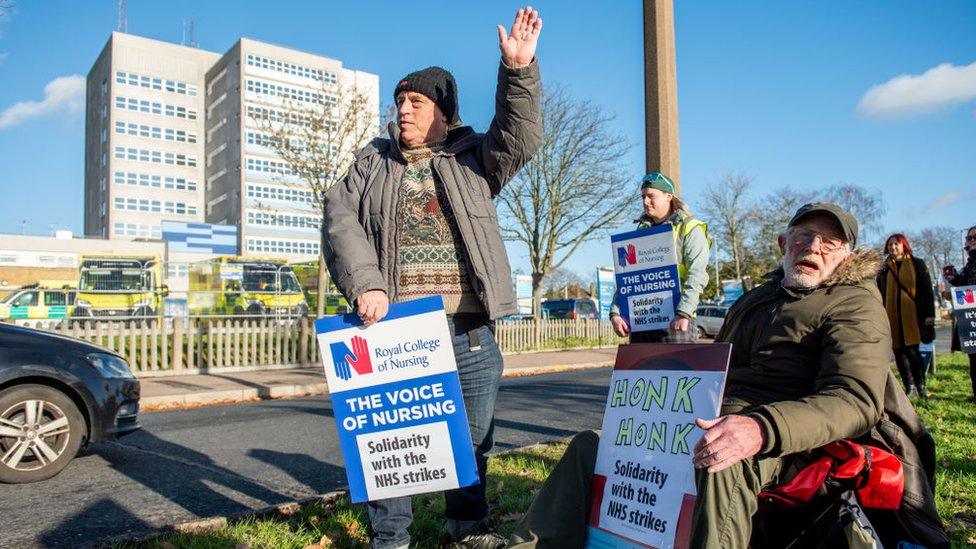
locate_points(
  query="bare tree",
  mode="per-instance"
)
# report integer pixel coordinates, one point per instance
(866, 205)
(769, 218)
(570, 191)
(729, 213)
(938, 246)
(563, 282)
(317, 140)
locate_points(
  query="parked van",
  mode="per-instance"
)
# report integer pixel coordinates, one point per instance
(35, 301)
(245, 286)
(118, 286)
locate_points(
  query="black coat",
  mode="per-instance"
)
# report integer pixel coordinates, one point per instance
(924, 297)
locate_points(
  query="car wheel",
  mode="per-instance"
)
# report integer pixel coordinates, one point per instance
(41, 430)
(701, 332)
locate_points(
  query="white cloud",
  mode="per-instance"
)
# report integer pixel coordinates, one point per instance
(942, 201)
(63, 93)
(3, 56)
(910, 95)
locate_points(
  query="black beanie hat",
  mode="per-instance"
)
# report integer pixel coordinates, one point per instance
(437, 84)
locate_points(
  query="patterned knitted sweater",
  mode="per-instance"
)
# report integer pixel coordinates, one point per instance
(432, 258)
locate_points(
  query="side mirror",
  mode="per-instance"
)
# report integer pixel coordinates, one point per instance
(164, 290)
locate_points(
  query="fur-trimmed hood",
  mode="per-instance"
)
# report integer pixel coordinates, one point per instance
(864, 264)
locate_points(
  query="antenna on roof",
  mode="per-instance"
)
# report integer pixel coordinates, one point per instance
(189, 33)
(122, 20)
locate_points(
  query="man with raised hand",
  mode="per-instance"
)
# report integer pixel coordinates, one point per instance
(414, 217)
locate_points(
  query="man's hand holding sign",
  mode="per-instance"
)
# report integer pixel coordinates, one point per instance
(727, 440)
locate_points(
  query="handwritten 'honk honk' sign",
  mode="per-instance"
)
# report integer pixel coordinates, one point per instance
(397, 401)
(643, 490)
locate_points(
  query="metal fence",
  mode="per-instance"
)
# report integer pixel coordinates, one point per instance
(183, 346)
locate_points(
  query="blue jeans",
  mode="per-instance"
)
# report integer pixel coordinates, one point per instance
(481, 373)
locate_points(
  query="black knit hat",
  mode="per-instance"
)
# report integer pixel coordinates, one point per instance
(437, 84)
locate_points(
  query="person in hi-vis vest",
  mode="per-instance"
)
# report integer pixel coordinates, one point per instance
(691, 246)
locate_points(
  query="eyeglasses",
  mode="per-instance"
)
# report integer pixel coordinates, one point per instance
(804, 237)
(970, 237)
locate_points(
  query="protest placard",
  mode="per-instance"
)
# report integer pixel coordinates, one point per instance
(964, 313)
(646, 268)
(397, 401)
(643, 489)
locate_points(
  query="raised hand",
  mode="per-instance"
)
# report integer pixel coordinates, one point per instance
(362, 363)
(518, 45)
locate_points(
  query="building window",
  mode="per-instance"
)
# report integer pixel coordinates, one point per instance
(291, 68)
(269, 166)
(143, 81)
(154, 181)
(137, 230)
(284, 194)
(287, 92)
(154, 206)
(260, 115)
(290, 221)
(155, 157)
(155, 132)
(282, 246)
(155, 107)
(177, 270)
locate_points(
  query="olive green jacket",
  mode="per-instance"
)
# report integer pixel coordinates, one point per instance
(814, 367)
(810, 365)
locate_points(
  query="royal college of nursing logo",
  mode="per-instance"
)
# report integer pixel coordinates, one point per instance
(345, 360)
(965, 297)
(627, 256)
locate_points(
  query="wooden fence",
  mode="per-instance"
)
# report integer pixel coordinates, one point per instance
(209, 345)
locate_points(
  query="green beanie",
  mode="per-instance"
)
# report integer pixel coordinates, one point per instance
(659, 181)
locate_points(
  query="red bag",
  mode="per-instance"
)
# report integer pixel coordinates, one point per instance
(874, 474)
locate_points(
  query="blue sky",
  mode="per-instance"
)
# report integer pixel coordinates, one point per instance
(801, 94)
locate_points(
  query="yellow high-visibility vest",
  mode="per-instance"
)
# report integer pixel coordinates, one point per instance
(684, 228)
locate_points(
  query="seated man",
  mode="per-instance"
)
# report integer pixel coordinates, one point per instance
(809, 366)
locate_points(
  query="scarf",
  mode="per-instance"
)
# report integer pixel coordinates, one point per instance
(900, 302)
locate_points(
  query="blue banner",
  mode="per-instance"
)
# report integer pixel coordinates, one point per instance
(645, 264)
(397, 400)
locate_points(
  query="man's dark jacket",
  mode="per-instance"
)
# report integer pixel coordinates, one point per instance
(360, 231)
(813, 367)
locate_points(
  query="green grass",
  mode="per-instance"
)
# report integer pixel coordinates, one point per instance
(513, 479)
(951, 417)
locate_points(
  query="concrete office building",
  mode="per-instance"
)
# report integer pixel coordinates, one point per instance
(171, 134)
(247, 183)
(144, 132)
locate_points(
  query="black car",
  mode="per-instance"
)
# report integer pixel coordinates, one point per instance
(56, 395)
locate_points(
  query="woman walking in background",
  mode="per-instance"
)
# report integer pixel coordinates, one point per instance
(965, 278)
(907, 292)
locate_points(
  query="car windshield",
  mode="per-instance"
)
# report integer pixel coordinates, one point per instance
(122, 276)
(586, 306)
(270, 278)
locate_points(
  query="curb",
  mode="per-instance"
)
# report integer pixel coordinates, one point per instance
(250, 394)
(214, 523)
(282, 510)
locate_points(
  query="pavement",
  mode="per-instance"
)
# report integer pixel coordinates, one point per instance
(183, 391)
